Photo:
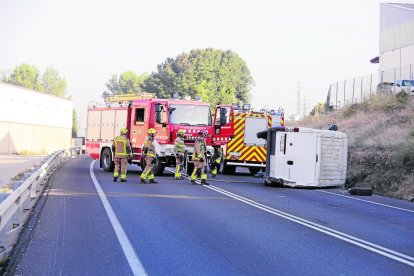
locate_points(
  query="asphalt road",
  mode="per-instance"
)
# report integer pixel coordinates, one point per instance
(85, 224)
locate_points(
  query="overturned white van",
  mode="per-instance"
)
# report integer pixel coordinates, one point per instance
(305, 157)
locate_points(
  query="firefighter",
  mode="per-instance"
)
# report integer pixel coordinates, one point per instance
(199, 158)
(179, 149)
(150, 159)
(122, 151)
(215, 161)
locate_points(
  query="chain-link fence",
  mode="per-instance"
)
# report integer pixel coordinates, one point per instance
(361, 88)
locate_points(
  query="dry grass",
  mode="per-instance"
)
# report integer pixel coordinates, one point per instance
(381, 143)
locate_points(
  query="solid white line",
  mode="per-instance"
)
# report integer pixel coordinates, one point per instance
(130, 254)
(372, 202)
(326, 230)
(331, 232)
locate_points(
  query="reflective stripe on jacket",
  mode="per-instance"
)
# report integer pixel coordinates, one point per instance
(121, 146)
(179, 146)
(199, 149)
(149, 144)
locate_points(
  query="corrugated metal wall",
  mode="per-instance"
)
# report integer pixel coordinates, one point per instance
(396, 35)
(33, 122)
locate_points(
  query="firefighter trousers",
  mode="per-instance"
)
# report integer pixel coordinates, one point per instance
(120, 165)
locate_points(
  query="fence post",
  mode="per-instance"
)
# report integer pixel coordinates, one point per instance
(370, 87)
(395, 76)
(336, 96)
(344, 91)
(353, 91)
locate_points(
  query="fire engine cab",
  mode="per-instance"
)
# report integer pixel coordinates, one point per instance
(166, 116)
(235, 131)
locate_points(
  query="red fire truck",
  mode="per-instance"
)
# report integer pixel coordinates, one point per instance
(166, 116)
(235, 130)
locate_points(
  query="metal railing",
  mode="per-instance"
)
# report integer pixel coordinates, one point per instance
(358, 89)
(16, 206)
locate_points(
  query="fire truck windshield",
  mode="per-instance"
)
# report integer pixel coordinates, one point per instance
(190, 115)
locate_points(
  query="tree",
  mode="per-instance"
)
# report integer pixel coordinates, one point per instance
(128, 83)
(53, 83)
(26, 75)
(74, 124)
(216, 76)
(319, 108)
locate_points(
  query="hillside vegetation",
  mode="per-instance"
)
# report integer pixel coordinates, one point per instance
(381, 143)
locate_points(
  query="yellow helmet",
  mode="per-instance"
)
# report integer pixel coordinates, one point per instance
(151, 131)
(123, 130)
(181, 131)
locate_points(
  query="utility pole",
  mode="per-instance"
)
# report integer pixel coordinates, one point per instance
(305, 106)
(298, 100)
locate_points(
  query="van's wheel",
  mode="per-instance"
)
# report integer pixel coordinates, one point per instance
(361, 191)
(106, 160)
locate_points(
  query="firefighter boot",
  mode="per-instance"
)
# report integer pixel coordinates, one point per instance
(194, 176)
(115, 179)
(123, 180)
(151, 178)
(204, 179)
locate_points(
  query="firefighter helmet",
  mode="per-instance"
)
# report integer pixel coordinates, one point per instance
(123, 130)
(151, 131)
(181, 131)
(203, 133)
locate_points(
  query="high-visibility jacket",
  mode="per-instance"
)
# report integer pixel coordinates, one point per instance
(149, 146)
(199, 149)
(121, 146)
(179, 146)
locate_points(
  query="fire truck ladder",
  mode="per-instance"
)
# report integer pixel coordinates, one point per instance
(129, 97)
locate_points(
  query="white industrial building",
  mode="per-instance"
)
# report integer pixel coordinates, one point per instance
(32, 122)
(396, 42)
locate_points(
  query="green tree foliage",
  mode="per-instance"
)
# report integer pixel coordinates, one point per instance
(319, 108)
(53, 83)
(26, 75)
(127, 83)
(216, 76)
(74, 124)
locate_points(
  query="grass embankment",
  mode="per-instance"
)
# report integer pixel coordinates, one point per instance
(381, 143)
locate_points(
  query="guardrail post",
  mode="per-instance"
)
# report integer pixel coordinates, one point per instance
(22, 207)
(3, 196)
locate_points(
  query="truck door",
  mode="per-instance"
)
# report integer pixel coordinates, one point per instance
(139, 127)
(223, 124)
(161, 122)
(295, 156)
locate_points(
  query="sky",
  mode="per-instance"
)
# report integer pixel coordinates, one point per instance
(303, 45)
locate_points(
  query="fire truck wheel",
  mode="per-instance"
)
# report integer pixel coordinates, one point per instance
(159, 167)
(228, 169)
(254, 170)
(106, 160)
(189, 168)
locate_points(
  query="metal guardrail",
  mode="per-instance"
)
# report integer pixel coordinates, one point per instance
(16, 206)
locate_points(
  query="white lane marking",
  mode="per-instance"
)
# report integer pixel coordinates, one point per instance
(326, 230)
(130, 254)
(372, 202)
(397, 256)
